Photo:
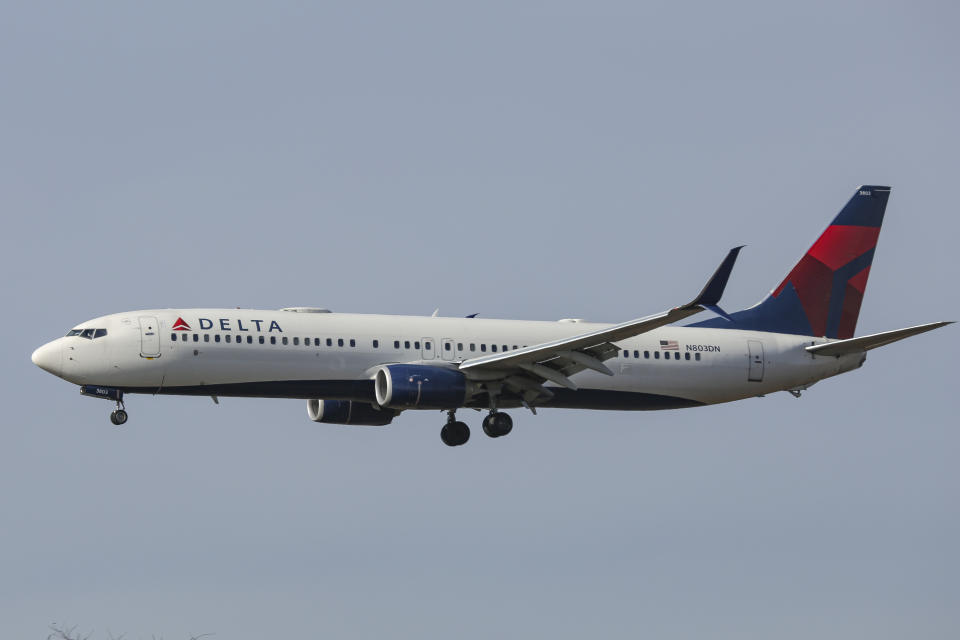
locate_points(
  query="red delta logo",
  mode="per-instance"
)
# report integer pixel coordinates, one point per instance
(180, 325)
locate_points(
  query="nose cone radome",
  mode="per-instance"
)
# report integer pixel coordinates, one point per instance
(47, 357)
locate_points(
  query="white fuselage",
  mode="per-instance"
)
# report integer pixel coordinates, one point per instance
(256, 353)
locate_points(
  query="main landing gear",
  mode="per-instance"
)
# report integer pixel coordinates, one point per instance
(497, 424)
(456, 433)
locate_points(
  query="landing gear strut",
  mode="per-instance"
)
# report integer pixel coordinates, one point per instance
(454, 433)
(497, 424)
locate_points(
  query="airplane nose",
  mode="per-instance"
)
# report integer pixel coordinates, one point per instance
(47, 358)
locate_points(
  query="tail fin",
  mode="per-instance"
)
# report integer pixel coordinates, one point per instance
(821, 295)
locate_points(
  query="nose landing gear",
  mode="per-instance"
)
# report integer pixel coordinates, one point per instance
(119, 415)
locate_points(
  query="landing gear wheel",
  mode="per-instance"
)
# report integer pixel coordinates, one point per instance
(118, 417)
(488, 427)
(504, 424)
(455, 434)
(497, 424)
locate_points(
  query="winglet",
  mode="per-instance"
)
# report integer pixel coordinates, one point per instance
(713, 290)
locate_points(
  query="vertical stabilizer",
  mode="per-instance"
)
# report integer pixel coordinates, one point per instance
(821, 295)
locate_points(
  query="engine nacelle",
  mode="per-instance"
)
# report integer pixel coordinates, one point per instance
(349, 412)
(404, 386)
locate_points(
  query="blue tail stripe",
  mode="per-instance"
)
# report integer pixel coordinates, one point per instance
(839, 289)
(779, 315)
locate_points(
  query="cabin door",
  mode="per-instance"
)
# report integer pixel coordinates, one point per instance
(448, 353)
(149, 337)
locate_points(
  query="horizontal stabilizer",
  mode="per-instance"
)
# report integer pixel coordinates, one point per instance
(865, 343)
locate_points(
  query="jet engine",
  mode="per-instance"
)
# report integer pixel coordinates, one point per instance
(349, 412)
(404, 386)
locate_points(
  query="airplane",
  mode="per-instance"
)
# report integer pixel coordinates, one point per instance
(362, 369)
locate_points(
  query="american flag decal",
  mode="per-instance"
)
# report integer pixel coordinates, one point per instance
(669, 345)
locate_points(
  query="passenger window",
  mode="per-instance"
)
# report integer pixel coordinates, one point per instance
(686, 356)
(227, 337)
(206, 337)
(626, 354)
(216, 338)
(183, 337)
(284, 339)
(636, 354)
(261, 339)
(696, 356)
(329, 342)
(396, 344)
(514, 347)
(406, 344)
(483, 346)
(173, 337)
(376, 344)
(446, 346)
(353, 342)
(273, 339)
(656, 355)
(493, 348)
(459, 346)
(646, 354)
(296, 342)
(676, 355)
(473, 347)
(504, 347)
(426, 345)
(249, 339)
(316, 342)
(339, 342)
(416, 344)
(196, 337)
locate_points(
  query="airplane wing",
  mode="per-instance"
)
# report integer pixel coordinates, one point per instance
(523, 370)
(865, 343)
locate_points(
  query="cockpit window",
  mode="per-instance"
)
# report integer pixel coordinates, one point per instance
(89, 334)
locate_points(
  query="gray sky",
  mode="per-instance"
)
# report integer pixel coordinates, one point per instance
(529, 160)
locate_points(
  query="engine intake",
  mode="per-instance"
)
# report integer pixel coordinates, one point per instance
(404, 386)
(349, 412)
